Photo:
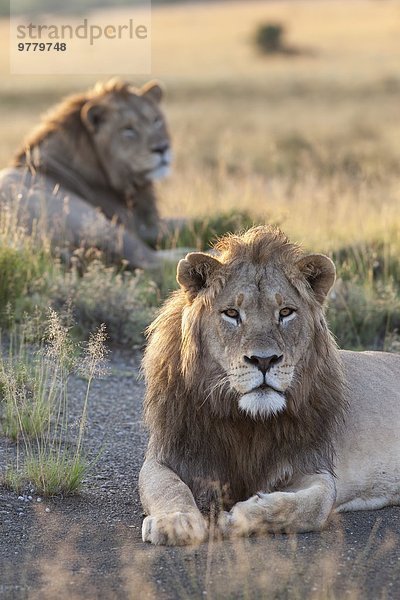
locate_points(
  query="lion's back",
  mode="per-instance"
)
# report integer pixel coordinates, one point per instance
(369, 449)
(381, 371)
(17, 182)
(37, 202)
(11, 179)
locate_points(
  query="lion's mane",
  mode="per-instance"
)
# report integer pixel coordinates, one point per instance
(195, 425)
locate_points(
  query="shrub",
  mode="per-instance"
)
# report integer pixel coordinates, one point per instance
(362, 317)
(124, 301)
(269, 38)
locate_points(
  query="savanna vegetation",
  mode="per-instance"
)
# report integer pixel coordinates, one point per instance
(309, 141)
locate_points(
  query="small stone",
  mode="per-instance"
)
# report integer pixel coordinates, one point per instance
(20, 497)
(29, 497)
(38, 499)
(47, 509)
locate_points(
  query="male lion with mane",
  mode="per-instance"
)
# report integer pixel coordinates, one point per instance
(85, 174)
(252, 408)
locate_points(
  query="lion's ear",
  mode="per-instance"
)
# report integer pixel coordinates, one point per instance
(92, 114)
(194, 271)
(153, 91)
(320, 273)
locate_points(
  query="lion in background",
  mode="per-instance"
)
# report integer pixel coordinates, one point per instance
(251, 407)
(85, 174)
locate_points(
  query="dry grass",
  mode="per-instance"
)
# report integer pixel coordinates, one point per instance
(311, 142)
(267, 567)
(35, 404)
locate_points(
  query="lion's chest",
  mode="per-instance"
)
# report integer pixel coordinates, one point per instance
(229, 465)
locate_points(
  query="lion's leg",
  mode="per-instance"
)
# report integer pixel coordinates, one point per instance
(304, 506)
(173, 517)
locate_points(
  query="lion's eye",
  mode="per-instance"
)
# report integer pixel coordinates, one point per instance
(286, 312)
(130, 133)
(232, 313)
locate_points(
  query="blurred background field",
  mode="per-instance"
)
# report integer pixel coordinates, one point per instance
(308, 140)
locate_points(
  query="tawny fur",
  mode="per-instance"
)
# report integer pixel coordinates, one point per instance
(195, 425)
(86, 173)
(65, 117)
(61, 139)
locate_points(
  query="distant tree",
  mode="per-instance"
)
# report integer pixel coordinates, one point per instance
(269, 38)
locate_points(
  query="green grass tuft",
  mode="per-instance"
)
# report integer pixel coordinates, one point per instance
(35, 405)
(200, 233)
(49, 475)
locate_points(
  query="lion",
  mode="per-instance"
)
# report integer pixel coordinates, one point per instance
(85, 174)
(251, 408)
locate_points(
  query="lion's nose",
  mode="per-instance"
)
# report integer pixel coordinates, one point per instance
(263, 363)
(160, 148)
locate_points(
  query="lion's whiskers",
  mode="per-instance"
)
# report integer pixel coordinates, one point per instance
(218, 385)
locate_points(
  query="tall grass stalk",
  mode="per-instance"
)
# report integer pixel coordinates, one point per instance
(36, 406)
(92, 366)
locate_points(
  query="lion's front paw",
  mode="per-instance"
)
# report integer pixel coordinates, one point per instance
(262, 512)
(244, 518)
(175, 529)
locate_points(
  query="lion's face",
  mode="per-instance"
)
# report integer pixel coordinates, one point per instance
(130, 136)
(260, 322)
(259, 332)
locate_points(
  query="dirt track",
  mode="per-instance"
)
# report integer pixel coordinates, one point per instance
(89, 546)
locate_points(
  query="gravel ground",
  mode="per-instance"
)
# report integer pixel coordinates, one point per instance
(89, 546)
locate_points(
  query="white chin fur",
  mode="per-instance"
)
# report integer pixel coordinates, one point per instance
(159, 172)
(262, 403)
